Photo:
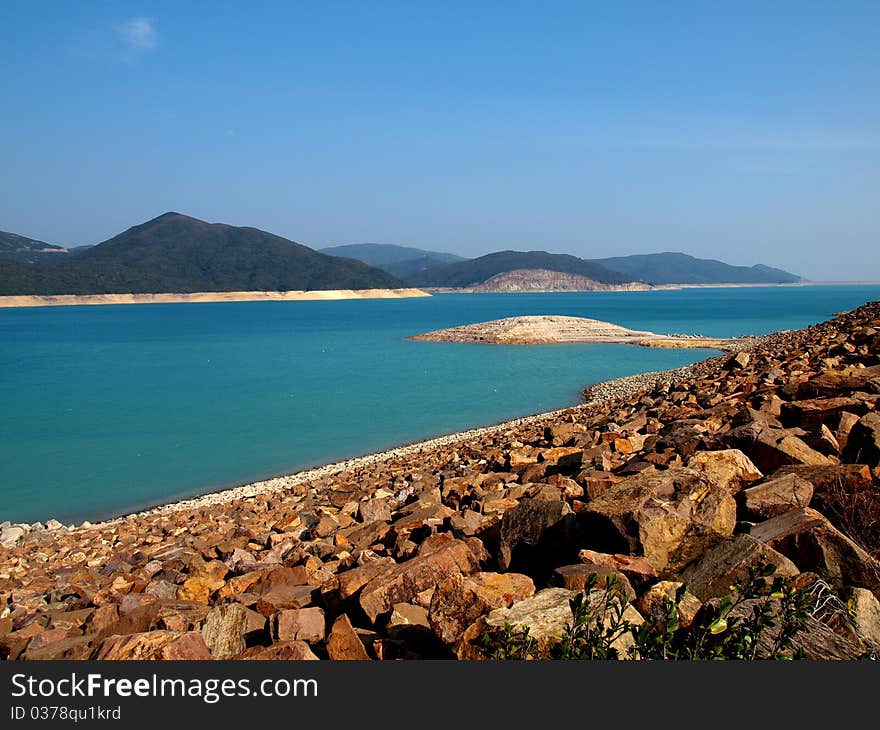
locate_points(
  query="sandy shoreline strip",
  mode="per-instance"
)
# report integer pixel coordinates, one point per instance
(66, 300)
(594, 394)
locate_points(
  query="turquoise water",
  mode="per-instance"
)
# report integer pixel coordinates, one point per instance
(106, 409)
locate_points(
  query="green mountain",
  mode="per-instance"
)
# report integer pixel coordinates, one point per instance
(385, 254)
(27, 249)
(476, 271)
(404, 262)
(679, 268)
(176, 253)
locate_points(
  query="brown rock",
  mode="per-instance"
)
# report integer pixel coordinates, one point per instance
(189, 646)
(282, 651)
(728, 562)
(408, 614)
(777, 496)
(460, 600)
(306, 624)
(812, 543)
(405, 581)
(728, 468)
(637, 570)
(575, 578)
(670, 517)
(374, 510)
(652, 605)
(148, 645)
(344, 644)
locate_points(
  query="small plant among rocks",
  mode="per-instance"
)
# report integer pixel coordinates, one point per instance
(759, 619)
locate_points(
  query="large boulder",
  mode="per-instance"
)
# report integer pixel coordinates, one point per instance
(545, 615)
(405, 581)
(729, 468)
(669, 517)
(775, 497)
(812, 543)
(728, 562)
(460, 600)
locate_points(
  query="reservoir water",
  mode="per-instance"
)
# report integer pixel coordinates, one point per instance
(107, 409)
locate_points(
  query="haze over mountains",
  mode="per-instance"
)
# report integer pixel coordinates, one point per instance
(404, 262)
(180, 254)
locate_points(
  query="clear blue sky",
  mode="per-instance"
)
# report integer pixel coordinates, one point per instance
(744, 131)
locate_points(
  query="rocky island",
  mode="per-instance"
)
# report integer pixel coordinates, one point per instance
(644, 505)
(557, 329)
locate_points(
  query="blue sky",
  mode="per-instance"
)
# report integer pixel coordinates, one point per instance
(744, 131)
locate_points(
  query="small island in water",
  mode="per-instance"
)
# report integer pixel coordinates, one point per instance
(558, 329)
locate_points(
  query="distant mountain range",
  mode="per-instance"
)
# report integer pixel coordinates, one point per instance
(679, 268)
(654, 269)
(404, 262)
(176, 253)
(179, 254)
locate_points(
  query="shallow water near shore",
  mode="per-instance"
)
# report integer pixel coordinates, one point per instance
(108, 409)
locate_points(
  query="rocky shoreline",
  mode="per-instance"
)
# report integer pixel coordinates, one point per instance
(662, 490)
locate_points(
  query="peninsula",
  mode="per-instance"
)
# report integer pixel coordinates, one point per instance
(558, 329)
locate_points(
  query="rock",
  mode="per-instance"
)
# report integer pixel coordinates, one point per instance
(545, 615)
(282, 651)
(305, 624)
(810, 414)
(467, 522)
(374, 510)
(865, 612)
(199, 588)
(408, 614)
(224, 630)
(285, 596)
(189, 646)
(669, 517)
(652, 604)
(637, 570)
(148, 645)
(405, 581)
(9, 536)
(575, 577)
(727, 468)
(460, 600)
(547, 527)
(777, 496)
(727, 563)
(350, 582)
(812, 543)
(72, 648)
(344, 644)
(862, 444)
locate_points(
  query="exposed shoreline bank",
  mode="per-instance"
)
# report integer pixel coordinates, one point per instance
(66, 300)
